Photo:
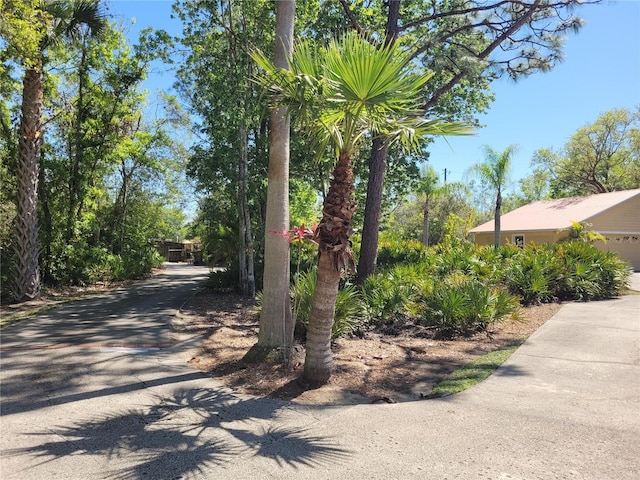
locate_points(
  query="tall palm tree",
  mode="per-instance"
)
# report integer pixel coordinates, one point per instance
(276, 321)
(344, 93)
(431, 189)
(66, 20)
(494, 172)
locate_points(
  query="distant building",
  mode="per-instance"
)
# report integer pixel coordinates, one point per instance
(615, 215)
(179, 251)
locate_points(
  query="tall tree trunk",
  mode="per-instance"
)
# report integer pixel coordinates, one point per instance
(47, 227)
(335, 256)
(27, 270)
(76, 152)
(373, 205)
(319, 359)
(245, 247)
(496, 239)
(276, 321)
(121, 208)
(377, 168)
(425, 223)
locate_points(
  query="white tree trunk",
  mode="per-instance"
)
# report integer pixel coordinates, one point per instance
(276, 322)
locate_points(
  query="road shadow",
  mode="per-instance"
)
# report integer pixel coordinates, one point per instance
(185, 435)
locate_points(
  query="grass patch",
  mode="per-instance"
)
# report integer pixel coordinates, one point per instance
(474, 372)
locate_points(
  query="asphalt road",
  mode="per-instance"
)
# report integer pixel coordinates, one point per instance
(100, 389)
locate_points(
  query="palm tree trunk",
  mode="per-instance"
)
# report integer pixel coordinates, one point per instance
(27, 270)
(496, 240)
(276, 321)
(318, 362)
(335, 255)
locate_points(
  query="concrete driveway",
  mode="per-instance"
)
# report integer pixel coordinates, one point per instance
(79, 405)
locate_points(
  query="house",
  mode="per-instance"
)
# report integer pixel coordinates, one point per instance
(615, 215)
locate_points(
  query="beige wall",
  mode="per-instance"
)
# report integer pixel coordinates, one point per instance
(620, 225)
(625, 245)
(624, 217)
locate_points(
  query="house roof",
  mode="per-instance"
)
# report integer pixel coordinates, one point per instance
(557, 214)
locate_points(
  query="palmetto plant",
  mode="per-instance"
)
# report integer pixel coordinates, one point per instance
(589, 273)
(343, 93)
(349, 306)
(66, 20)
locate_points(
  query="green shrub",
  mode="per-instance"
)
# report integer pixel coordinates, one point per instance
(455, 256)
(384, 297)
(533, 275)
(463, 306)
(348, 314)
(223, 279)
(394, 252)
(138, 262)
(589, 273)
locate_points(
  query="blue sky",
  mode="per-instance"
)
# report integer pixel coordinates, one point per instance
(600, 72)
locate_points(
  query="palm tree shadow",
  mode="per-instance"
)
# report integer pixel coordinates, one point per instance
(187, 434)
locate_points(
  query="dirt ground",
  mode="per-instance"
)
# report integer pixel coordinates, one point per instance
(372, 366)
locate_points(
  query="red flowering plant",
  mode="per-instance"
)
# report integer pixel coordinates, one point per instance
(298, 235)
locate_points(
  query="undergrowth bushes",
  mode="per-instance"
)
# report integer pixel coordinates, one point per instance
(464, 305)
(457, 288)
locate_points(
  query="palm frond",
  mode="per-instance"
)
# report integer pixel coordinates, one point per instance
(351, 89)
(71, 18)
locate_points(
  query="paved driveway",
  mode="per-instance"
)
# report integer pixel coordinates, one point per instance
(77, 404)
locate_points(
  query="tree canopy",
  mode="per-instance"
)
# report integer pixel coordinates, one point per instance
(602, 156)
(105, 176)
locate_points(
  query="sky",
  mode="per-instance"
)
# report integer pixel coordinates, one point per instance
(600, 72)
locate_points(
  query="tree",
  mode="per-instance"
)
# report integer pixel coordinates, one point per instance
(342, 93)
(215, 82)
(468, 44)
(95, 116)
(276, 321)
(428, 187)
(602, 156)
(63, 21)
(407, 218)
(494, 173)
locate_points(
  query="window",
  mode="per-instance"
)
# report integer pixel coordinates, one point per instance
(518, 240)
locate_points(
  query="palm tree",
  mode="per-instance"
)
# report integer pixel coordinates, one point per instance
(344, 93)
(66, 21)
(429, 187)
(276, 321)
(494, 172)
